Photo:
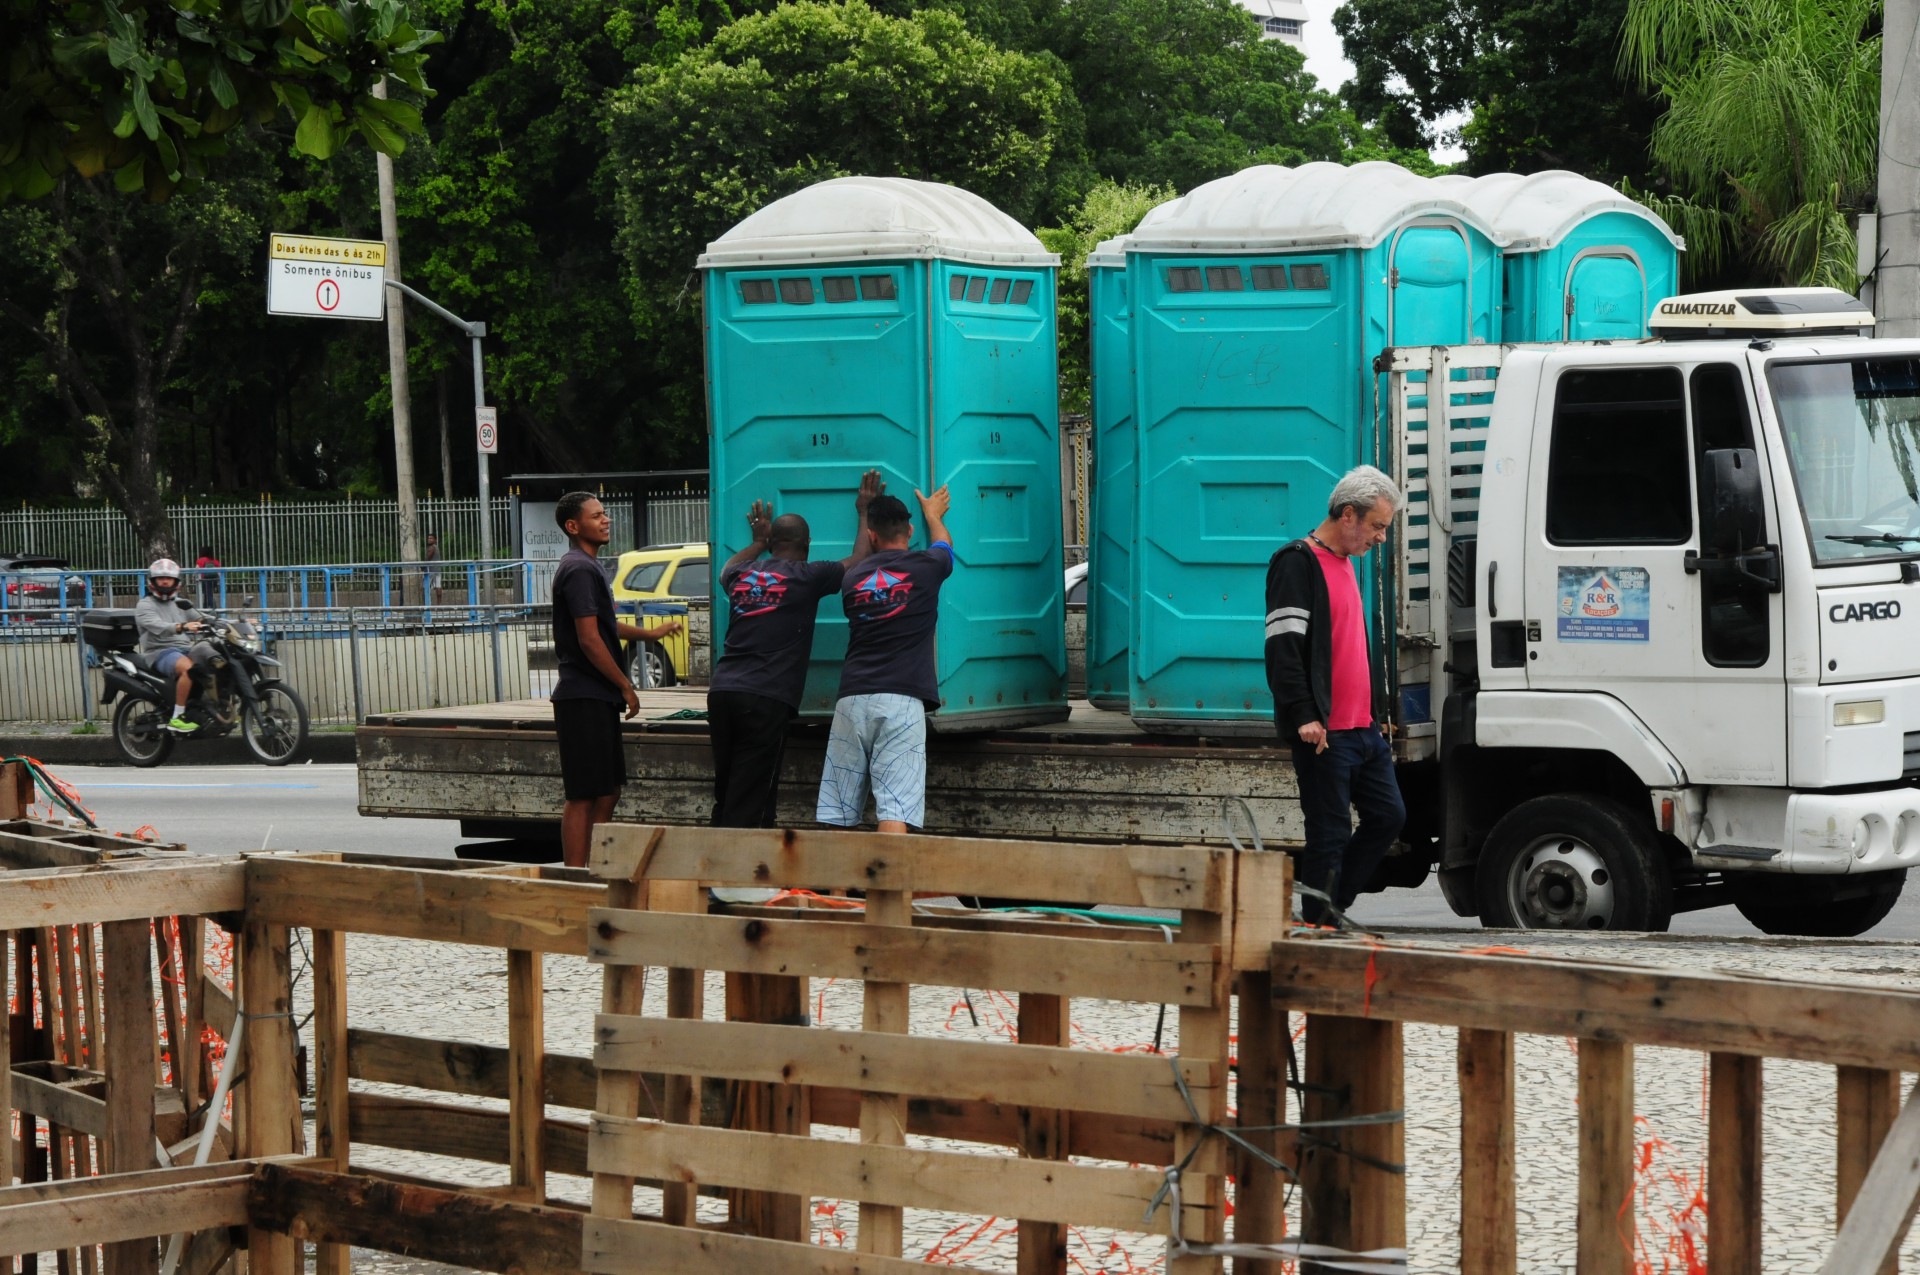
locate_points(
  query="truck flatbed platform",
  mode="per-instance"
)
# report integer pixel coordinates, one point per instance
(1094, 777)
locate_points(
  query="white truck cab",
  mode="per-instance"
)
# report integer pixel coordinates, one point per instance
(1664, 600)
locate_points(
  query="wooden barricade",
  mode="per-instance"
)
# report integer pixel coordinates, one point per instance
(82, 917)
(1357, 996)
(657, 916)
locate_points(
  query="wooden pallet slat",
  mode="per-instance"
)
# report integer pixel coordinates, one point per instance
(980, 1071)
(1171, 973)
(646, 1248)
(1743, 1014)
(1605, 1210)
(1139, 876)
(433, 904)
(955, 1181)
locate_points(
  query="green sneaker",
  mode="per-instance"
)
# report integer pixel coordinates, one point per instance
(181, 726)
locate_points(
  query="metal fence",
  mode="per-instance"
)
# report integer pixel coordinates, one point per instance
(346, 662)
(43, 594)
(270, 532)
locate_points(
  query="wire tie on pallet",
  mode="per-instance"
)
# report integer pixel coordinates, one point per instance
(1235, 1135)
(1377, 1261)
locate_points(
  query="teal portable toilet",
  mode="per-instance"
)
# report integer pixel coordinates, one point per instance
(1259, 302)
(1582, 262)
(905, 326)
(1110, 539)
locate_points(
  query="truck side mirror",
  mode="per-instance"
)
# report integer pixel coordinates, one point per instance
(1733, 504)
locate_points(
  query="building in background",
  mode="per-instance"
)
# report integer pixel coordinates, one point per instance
(1280, 19)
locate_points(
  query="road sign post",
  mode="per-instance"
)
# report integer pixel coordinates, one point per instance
(477, 331)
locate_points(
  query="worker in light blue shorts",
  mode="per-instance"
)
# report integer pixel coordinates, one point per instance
(878, 747)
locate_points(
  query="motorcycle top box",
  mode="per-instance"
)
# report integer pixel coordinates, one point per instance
(110, 630)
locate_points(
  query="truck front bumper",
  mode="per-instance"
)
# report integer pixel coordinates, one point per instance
(1813, 833)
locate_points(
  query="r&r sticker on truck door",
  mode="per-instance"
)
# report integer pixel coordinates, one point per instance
(1604, 604)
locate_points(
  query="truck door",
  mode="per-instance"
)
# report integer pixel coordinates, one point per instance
(1614, 520)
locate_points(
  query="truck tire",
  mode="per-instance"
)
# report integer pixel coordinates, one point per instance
(1573, 862)
(1808, 906)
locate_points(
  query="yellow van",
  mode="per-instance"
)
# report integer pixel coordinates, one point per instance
(658, 581)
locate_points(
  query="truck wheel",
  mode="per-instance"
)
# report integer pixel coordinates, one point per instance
(1818, 907)
(1573, 862)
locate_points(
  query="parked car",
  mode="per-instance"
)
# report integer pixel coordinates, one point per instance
(33, 582)
(647, 583)
(1077, 585)
(662, 571)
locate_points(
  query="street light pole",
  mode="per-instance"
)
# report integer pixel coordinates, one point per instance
(477, 331)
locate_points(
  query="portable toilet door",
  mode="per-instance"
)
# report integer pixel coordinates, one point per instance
(1110, 541)
(995, 442)
(1606, 297)
(1260, 301)
(1583, 261)
(1430, 286)
(828, 335)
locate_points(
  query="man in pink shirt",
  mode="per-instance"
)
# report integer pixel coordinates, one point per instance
(1327, 700)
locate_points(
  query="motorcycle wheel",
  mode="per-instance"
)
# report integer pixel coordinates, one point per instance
(275, 724)
(140, 732)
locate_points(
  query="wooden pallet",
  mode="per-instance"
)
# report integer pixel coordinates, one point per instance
(657, 916)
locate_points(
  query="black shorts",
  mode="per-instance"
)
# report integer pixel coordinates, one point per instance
(593, 760)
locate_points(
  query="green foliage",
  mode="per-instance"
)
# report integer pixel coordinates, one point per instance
(1183, 91)
(150, 92)
(506, 217)
(1538, 77)
(781, 100)
(1773, 111)
(1109, 210)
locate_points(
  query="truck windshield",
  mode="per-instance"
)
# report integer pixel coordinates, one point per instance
(1853, 433)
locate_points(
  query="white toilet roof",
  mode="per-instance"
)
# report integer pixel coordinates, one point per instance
(857, 218)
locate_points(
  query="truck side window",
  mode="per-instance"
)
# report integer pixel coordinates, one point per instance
(1618, 470)
(1734, 613)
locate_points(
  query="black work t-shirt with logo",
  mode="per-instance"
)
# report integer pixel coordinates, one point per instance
(771, 606)
(892, 601)
(580, 589)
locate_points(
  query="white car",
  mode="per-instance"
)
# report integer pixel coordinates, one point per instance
(1077, 585)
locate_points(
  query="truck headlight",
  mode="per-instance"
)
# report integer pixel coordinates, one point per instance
(1860, 712)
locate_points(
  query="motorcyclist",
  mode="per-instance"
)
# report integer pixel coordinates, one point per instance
(167, 623)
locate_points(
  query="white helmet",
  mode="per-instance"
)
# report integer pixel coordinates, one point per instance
(163, 569)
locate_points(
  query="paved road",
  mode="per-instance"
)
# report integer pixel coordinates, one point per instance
(225, 809)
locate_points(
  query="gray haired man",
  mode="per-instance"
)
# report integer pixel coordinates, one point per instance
(1329, 701)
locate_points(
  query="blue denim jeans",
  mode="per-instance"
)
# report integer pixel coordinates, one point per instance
(1354, 774)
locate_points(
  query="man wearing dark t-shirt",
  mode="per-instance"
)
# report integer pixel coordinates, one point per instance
(888, 682)
(591, 687)
(758, 680)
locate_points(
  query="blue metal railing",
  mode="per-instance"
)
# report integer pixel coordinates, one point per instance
(55, 594)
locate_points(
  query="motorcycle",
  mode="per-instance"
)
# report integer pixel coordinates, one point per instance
(235, 689)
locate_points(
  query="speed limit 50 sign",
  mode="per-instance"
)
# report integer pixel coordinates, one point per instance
(486, 422)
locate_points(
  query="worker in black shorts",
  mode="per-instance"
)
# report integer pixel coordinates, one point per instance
(591, 687)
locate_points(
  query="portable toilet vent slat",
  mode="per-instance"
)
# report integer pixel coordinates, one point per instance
(1110, 539)
(1259, 302)
(909, 327)
(1582, 261)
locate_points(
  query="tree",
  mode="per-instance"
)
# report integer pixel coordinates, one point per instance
(1772, 123)
(1110, 209)
(106, 99)
(107, 290)
(1179, 92)
(1538, 77)
(150, 90)
(781, 100)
